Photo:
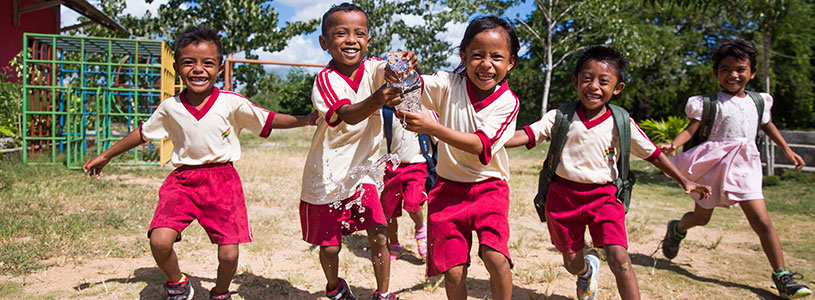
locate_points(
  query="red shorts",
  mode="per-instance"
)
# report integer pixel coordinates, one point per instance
(210, 193)
(571, 206)
(324, 225)
(455, 210)
(405, 185)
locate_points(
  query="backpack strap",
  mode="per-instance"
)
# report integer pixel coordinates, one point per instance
(708, 115)
(560, 129)
(387, 119)
(759, 101)
(625, 180)
(430, 153)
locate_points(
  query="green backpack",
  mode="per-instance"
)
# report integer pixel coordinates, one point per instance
(709, 115)
(624, 182)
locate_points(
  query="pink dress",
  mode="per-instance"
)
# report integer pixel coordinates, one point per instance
(729, 160)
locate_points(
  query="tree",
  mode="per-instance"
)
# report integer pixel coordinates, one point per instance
(245, 26)
(387, 22)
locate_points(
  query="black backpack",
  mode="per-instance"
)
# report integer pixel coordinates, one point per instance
(625, 180)
(709, 115)
(429, 149)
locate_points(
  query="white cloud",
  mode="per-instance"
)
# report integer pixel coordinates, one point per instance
(139, 7)
(453, 35)
(300, 50)
(308, 9)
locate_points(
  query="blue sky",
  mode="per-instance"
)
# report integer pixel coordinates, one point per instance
(303, 48)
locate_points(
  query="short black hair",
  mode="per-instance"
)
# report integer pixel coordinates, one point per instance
(739, 49)
(606, 54)
(485, 23)
(347, 7)
(195, 35)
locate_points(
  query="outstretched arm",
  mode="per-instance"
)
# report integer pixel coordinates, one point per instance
(666, 166)
(779, 140)
(518, 139)
(94, 165)
(681, 138)
(357, 112)
(423, 122)
(289, 121)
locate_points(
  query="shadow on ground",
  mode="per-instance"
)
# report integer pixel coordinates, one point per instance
(663, 264)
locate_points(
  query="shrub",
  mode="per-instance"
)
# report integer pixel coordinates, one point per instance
(771, 180)
(664, 131)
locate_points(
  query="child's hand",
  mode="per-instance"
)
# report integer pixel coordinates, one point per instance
(94, 165)
(667, 148)
(412, 60)
(796, 159)
(421, 122)
(390, 96)
(311, 119)
(693, 187)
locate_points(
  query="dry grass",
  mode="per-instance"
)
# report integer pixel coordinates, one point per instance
(68, 237)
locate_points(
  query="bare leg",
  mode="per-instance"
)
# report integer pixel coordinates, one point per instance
(418, 218)
(393, 230)
(330, 260)
(698, 217)
(380, 257)
(161, 245)
(756, 213)
(574, 263)
(227, 265)
(620, 264)
(500, 275)
(455, 283)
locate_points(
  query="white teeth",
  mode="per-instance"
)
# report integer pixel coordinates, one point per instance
(350, 51)
(486, 76)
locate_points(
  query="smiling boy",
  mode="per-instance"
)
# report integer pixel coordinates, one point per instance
(204, 123)
(334, 200)
(584, 193)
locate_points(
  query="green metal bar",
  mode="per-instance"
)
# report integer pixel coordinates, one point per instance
(25, 98)
(54, 101)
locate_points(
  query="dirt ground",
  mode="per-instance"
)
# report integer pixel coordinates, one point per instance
(721, 261)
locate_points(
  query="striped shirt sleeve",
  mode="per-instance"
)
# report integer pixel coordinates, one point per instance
(328, 95)
(493, 132)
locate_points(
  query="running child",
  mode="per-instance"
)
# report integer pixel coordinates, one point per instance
(475, 110)
(584, 194)
(405, 187)
(204, 123)
(335, 199)
(729, 160)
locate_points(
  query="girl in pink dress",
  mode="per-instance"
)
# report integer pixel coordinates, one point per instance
(729, 160)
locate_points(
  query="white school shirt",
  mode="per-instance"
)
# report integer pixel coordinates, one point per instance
(592, 147)
(453, 98)
(337, 146)
(209, 135)
(736, 117)
(408, 149)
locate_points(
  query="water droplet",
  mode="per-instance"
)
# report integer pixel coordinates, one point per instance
(361, 209)
(362, 220)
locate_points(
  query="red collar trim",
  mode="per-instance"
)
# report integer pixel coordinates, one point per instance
(198, 114)
(354, 84)
(581, 113)
(479, 105)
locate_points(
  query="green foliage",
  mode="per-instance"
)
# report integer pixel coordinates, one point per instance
(387, 22)
(798, 176)
(11, 98)
(664, 131)
(291, 95)
(771, 180)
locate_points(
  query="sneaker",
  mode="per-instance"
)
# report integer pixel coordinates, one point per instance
(587, 288)
(421, 241)
(787, 287)
(670, 244)
(395, 250)
(214, 296)
(341, 292)
(378, 296)
(180, 290)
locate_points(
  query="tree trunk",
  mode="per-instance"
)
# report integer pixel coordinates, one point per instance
(766, 38)
(547, 82)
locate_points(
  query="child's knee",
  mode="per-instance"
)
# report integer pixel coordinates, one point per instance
(331, 251)
(619, 263)
(229, 255)
(378, 236)
(456, 276)
(161, 245)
